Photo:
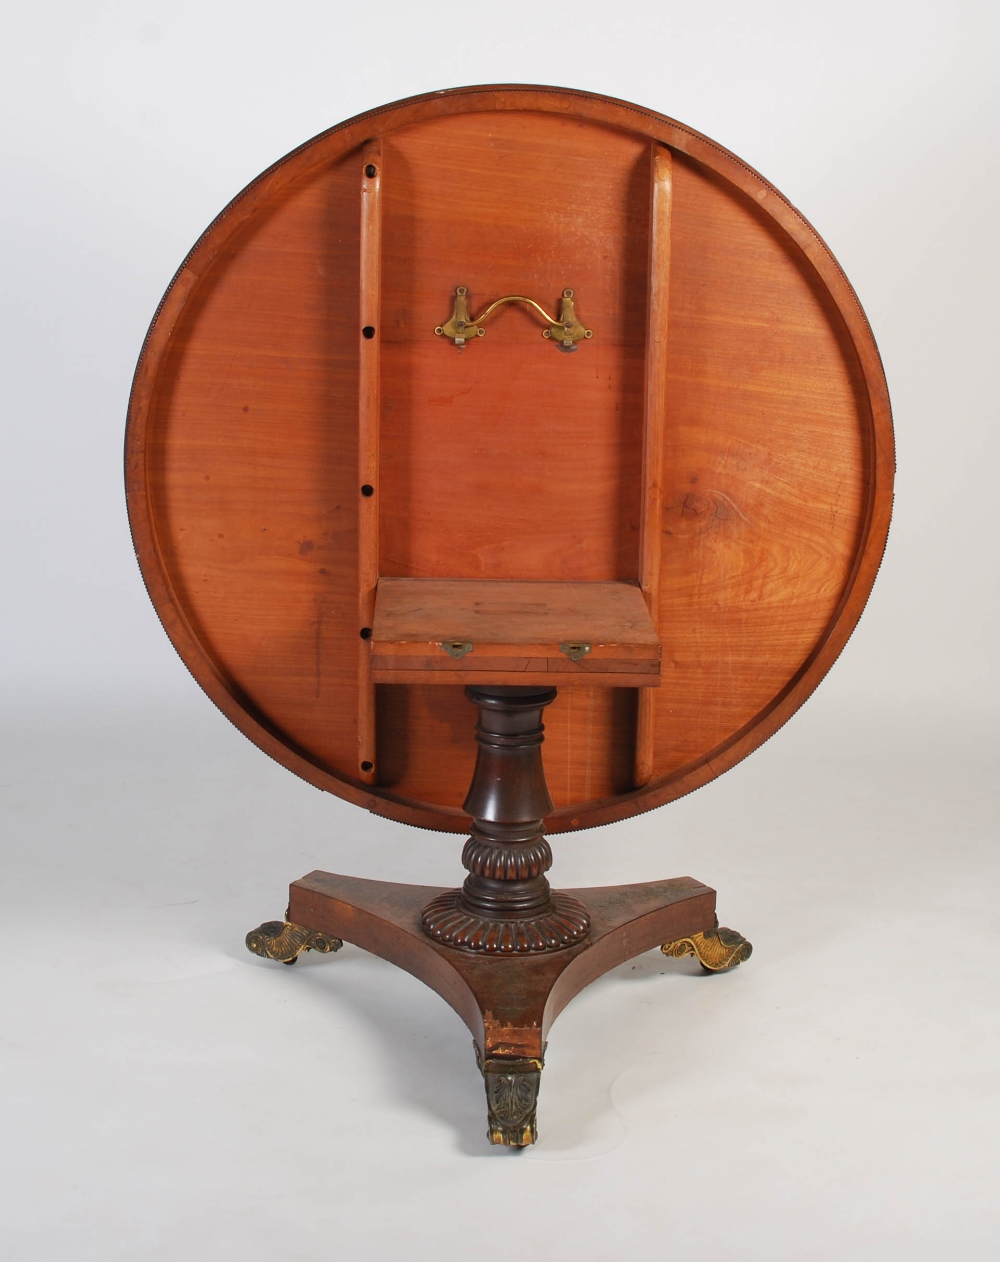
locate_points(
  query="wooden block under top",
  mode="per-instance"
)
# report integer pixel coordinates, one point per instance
(516, 630)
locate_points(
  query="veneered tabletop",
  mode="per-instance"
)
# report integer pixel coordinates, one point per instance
(298, 434)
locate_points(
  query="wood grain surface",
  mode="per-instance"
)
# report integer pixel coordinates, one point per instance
(260, 410)
(661, 171)
(508, 1004)
(369, 429)
(509, 630)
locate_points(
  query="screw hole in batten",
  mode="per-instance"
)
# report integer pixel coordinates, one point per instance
(366, 633)
(367, 766)
(368, 332)
(371, 171)
(367, 489)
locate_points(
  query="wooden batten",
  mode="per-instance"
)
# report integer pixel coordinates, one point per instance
(369, 403)
(654, 429)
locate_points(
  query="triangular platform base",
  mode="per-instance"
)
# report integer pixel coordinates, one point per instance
(507, 1001)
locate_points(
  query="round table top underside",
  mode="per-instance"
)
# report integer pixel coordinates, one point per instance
(509, 460)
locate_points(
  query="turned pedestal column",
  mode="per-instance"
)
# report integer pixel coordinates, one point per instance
(506, 905)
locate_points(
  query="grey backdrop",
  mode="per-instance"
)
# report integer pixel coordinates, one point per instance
(168, 1096)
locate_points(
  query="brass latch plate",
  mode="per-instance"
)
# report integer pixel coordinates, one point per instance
(574, 649)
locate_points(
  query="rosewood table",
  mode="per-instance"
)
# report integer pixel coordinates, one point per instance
(535, 400)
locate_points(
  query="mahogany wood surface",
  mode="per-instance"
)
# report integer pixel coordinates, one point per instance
(515, 629)
(508, 1002)
(260, 411)
(369, 411)
(654, 429)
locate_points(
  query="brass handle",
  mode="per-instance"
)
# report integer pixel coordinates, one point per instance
(565, 331)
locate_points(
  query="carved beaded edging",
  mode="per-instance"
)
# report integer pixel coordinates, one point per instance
(281, 940)
(717, 950)
(566, 923)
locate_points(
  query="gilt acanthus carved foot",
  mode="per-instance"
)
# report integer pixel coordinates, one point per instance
(511, 1098)
(281, 940)
(716, 950)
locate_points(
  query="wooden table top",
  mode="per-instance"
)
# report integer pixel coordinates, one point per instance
(298, 433)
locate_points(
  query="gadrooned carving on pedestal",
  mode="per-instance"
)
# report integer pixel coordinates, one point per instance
(563, 924)
(515, 861)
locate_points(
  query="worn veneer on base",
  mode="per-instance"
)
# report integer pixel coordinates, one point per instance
(506, 1020)
(508, 1002)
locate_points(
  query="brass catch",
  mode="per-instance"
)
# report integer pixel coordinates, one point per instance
(575, 649)
(457, 648)
(565, 331)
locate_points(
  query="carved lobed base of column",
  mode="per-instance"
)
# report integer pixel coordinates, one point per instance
(565, 923)
(508, 1001)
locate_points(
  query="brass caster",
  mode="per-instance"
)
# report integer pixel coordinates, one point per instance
(716, 951)
(283, 941)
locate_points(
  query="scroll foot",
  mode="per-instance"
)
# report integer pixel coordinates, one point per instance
(511, 1098)
(716, 950)
(281, 940)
